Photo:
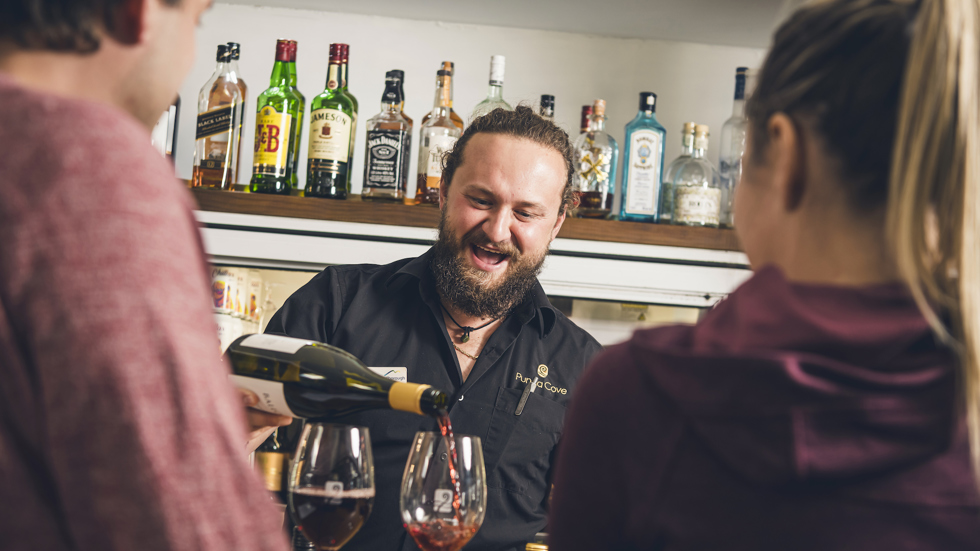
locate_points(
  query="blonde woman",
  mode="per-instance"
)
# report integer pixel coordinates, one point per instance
(831, 402)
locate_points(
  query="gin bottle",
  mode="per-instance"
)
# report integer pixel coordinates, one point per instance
(436, 138)
(495, 95)
(277, 110)
(595, 154)
(389, 141)
(643, 162)
(218, 139)
(666, 189)
(697, 187)
(332, 119)
(733, 144)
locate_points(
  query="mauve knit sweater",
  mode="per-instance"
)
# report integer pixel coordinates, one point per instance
(118, 427)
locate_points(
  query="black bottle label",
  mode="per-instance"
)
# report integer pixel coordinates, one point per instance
(387, 153)
(216, 121)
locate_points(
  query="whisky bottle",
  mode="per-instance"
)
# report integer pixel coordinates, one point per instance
(277, 110)
(643, 162)
(331, 134)
(546, 108)
(697, 187)
(298, 125)
(389, 142)
(457, 120)
(666, 189)
(495, 94)
(595, 154)
(436, 138)
(733, 144)
(345, 54)
(235, 51)
(217, 137)
(401, 90)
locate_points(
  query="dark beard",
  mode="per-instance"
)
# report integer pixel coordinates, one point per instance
(470, 289)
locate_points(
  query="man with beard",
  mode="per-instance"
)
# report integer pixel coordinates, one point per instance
(468, 317)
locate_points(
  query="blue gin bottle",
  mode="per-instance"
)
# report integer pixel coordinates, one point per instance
(643, 163)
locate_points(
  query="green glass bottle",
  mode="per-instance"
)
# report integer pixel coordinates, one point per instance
(331, 130)
(345, 54)
(298, 126)
(278, 110)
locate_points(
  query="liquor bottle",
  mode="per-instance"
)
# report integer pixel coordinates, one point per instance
(697, 187)
(547, 108)
(302, 378)
(733, 144)
(164, 134)
(595, 153)
(436, 138)
(586, 123)
(495, 95)
(298, 126)
(448, 66)
(666, 191)
(643, 163)
(235, 51)
(277, 111)
(218, 139)
(401, 91)
(344, 55)
(389, 142)
(271, 461)
(331, 128)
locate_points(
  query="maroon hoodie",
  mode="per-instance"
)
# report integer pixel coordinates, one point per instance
(792, 417)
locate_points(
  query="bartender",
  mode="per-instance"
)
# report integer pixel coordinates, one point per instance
(469, 317)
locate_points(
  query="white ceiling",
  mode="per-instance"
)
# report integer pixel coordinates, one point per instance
(747, 23)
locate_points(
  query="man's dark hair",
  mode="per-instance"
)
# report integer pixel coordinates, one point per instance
(60, 25)
(521, 123)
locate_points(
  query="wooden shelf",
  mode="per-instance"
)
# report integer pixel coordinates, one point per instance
(395, 214)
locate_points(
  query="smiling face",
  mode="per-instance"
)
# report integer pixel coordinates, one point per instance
(499, 215)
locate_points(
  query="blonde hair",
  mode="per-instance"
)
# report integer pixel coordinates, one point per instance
(892, 86)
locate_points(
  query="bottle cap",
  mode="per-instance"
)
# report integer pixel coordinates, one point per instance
(282, 50)
(223, 53)
(497, 64)
(689, 127)
(391, 93)
(293, 45)
(235, 49)
(586, 117)
(648, 101)
(701, 129)
(336, 55)
(547, 100)
(344, 52)
(599, 108)
(449, 66)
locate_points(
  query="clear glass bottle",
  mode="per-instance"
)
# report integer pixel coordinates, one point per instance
(546, 107)
(345, 55)
(235, 51)
(332, 119)
(595, 153)
(666, 191)
(218, 139)
(495, 95)
(437, 137)
(389, 142)
(733, 144)
(643, 162)
(697, 187)
(298, 128)
(277, 110)
(457, 120)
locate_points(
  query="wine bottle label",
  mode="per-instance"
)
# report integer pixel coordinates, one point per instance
(386, 150)
(275, 343)
(330, 139)
(272, 133)
(697, 205)
(399, 374)
(272, 398)
(643, 177)
(215, 121)
(438, 147)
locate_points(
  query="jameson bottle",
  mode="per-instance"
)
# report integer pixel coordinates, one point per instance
(436, 138)
(277, 111)
(389, 142)
(302, 378)
(449, 67)
(297, 136)
(643, 162)
(331, 135)
(218, 138)
(345, 55)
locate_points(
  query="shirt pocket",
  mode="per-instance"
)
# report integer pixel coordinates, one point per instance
(518, 448)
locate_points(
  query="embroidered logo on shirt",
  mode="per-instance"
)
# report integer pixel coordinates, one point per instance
(542, 384)
(542, 370)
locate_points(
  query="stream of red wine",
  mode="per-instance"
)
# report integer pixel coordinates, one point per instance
(446, 427)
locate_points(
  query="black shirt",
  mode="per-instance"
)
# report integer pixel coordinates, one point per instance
(389, 316)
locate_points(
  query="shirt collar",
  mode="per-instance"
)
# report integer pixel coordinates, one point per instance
(535, 305)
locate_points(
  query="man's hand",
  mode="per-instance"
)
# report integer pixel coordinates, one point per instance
(260, 423)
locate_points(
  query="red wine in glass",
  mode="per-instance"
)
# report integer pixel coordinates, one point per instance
(439, 535)
(330, 520)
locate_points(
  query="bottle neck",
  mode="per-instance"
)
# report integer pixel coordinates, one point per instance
(224, 67)
(687, 147)
(391, 100)
(738, 108)
(598, 124)
(343, 75)
(334, 76)
(443, 98)
(450, 84)
(293, 79)
(280, 74)
(495, 92)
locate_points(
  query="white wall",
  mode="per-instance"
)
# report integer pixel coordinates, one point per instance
(692, 81)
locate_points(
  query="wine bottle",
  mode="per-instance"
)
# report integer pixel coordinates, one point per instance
(272, 460)
(303, 378)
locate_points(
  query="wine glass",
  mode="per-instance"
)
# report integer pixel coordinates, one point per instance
(431, 513)
(331, 483)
